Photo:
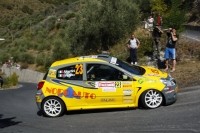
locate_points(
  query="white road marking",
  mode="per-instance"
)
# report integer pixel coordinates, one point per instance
(192, 38)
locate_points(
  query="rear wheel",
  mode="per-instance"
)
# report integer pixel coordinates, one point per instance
(151, 99)
(53, 107)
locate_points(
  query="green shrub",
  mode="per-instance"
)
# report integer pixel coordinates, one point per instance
(51, 27)
(26, 9)
(40, 59)
(24, 66)
(4, 56)
(58, 26)
(9, 7)
(69, 15)
(6, 82)
(27, 58)
(13, 79)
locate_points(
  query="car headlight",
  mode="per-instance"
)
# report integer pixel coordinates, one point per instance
(164, 81)
(167, 82)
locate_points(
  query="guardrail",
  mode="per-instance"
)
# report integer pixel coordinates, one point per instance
(190, 27)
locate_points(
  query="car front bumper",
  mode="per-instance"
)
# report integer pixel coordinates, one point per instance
(170, 93)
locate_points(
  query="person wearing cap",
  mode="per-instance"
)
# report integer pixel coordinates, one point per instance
(156, 45)
(170, 51)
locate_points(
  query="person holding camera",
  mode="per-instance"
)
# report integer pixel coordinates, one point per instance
(170, 51)
(156, 45)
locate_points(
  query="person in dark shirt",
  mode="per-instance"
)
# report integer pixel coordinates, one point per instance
(170, 51)
(1, 81)
(156, 45)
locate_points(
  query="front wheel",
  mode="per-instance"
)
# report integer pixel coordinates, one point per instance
(53, 107)
(151, 99)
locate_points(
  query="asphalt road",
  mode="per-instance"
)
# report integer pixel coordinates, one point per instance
(192, 35)
(19, 114)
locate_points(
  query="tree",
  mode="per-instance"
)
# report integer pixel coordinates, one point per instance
(101, 24)
(176, 16)
(158, 6)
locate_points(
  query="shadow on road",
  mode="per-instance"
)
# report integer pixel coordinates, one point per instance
(7, 122)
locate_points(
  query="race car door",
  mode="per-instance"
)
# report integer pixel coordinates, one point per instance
(103, 86)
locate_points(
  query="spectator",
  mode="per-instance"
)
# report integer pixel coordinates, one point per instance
(150, 22)
(156, 45)
(133, 44)
(1, 81)
(159, 20)
(170, 51)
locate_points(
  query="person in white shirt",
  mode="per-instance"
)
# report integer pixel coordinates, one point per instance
(133, 44)
(150, 22)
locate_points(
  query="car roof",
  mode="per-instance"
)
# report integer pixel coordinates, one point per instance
(90, 58)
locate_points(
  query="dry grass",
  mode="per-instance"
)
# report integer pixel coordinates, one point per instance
(187, 73)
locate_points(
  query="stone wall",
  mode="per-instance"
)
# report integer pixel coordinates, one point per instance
(25, 75)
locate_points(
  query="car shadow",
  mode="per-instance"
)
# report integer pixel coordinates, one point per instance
(97, 111)
(75, 112)
(7, 122)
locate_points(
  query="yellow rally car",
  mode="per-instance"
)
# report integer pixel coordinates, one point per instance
(102, 81)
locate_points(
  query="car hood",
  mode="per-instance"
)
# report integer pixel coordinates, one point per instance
(151, 71)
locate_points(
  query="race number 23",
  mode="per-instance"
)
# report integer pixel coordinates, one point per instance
(79, 69)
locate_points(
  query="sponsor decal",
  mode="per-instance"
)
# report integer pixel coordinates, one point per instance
(70, 93)
(127, 97)
(92, 84)
(113, 60)
(52, 73)
(156, 75)
(106, 86)
(118, 84)
(127, 101)
(155, 71)
(127, 83)
(127, 92)
(140, 81)
(66, 73)
(126, 86)
(107, 100)
(108, 89)
(167, 92)
(150, 80)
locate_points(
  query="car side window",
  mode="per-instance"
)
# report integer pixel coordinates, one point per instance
(73, 72)
(100, 72)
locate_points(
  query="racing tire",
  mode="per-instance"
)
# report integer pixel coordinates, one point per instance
(151, 99)
(53, 107)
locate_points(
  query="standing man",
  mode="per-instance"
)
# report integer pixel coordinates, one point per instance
(156, 45)
(159, 19)
(150, 22)
(133, 44)
(170, 51)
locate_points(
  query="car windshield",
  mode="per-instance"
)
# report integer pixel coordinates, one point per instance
(137, 70)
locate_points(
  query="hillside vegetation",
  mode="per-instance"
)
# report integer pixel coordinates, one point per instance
(38, 32)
